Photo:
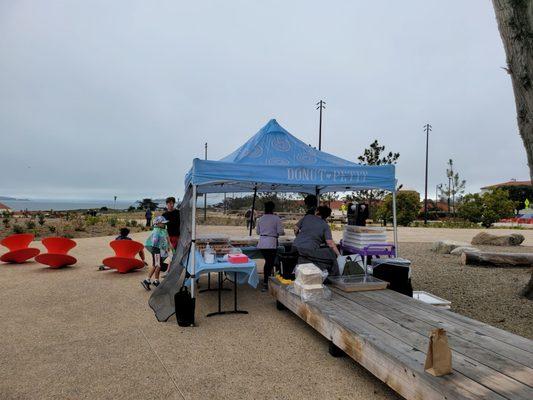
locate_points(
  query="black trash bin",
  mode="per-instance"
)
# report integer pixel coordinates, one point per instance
(396, 271)
(288, 262)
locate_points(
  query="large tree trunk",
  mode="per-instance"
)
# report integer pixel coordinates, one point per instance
(515, 22)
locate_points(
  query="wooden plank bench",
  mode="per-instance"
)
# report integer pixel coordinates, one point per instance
(388, 334)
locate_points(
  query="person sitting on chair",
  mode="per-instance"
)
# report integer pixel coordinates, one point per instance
(312, 232)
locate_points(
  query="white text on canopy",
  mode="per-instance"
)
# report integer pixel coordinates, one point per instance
(337, 175)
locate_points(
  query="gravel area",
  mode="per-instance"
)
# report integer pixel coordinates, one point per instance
(490, 295)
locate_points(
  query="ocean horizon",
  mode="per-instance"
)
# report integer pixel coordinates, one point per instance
(65, 204)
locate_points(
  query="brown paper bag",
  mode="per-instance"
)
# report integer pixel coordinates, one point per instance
(439, 355)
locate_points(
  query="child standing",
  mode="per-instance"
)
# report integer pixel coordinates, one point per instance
(158, 243)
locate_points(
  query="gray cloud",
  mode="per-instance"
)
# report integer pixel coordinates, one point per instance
(105, 98)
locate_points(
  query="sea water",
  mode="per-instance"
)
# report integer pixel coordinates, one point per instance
(63, 205)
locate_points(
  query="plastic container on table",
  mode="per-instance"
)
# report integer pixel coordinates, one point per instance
(238, 258)
(209, 255)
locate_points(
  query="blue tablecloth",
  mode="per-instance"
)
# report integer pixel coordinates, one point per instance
(246, 272)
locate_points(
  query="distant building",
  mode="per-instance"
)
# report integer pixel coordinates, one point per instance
(512, 182)
(4, 209)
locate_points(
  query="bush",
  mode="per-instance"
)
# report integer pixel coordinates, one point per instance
(18, 229)
(471, 208)
(113, 221)
(40, 219)
(30, 225)
(133, 223)
(487, 208)
(131, 209)
(407, 207)
(6, 221)
(51, 228)
(91, 221)
(79, 225)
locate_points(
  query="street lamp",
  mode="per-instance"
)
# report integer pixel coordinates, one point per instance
(427, 129)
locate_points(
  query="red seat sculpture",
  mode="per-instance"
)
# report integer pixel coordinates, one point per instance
(18, 248)
(57, 256)
(124, 259)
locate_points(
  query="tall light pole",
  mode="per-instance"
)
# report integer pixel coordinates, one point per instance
(427, 129)
(205, 194)
(321, 105)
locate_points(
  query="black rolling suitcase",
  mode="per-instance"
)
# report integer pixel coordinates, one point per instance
(288, 262)
(396, 271)
(185, 305)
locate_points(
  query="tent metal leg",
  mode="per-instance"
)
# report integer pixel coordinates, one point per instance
(394, 223)
(253, 211)
(193, 244)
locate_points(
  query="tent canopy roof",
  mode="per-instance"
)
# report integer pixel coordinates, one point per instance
(275, 160)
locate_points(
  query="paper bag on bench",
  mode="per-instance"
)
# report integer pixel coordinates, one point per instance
(439, 355)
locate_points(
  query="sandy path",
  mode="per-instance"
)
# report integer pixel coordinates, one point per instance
(405, 234)
(78, 333)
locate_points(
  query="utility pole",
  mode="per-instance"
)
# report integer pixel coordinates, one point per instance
(321, 105)
(205, 194)
(427, 129)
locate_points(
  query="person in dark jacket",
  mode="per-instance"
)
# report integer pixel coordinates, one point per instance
(172, 215)
(314, 241)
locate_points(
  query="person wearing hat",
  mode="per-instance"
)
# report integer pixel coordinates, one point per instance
(158, 243)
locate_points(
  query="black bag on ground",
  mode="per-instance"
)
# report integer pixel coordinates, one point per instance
(185, 306)
(396, 271)
(352, 268)
(288, 263)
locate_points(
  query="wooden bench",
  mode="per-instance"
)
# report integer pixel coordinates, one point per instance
(388, 334)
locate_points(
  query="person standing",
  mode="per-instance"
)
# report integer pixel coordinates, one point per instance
(148, 216)
(269, 228)
(172, 215)
(158, 245)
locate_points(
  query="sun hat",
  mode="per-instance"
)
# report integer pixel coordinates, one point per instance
(160, 220)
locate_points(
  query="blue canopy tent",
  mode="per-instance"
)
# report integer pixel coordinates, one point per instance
(273, 160)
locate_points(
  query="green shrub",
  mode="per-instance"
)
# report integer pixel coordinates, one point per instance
(40, 219)
(128, 223)
(52, 228)
(134, 223)
(30, 224)
(68, 235)
(407, 207)
(487, 208)
(18, 229)
(113, 221)
(91, 221)
(6, 221)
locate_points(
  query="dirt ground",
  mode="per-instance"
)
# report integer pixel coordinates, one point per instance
(79, 333)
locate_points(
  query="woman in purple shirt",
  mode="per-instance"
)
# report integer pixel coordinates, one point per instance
(269, 228)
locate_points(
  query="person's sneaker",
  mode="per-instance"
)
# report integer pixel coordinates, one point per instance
(155, 283)
(146, 284)
(264, 288)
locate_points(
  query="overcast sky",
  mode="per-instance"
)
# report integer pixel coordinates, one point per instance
(103, 98)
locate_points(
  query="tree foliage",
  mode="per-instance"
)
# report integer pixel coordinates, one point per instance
(455, 188)
(374, 155)
(147, 203)
(487, 208)
(519, 194)
(407, 208)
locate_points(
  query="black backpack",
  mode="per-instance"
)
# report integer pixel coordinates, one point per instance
(184, 305)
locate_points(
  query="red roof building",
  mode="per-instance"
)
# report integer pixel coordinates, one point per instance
(512, 182)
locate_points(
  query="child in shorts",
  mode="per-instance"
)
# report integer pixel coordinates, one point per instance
(158, 243)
